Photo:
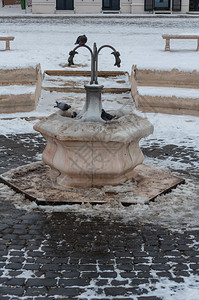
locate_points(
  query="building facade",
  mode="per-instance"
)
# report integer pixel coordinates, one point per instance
(113, 6)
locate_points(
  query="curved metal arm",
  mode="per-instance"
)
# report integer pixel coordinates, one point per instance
(117, 58)
(70, 59)
(115, 53)
(94, 59)
(73, 52)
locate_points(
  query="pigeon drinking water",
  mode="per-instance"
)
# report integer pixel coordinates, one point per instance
(106, 116)
(81, 40)
(63, 106)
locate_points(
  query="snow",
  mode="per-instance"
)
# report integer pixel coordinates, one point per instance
(80, 81)
(48, 41)
(174, 129)
(168, 92)
(139, 40)
(16, 89)
(13, 10)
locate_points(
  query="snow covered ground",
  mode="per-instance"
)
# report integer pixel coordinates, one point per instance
(48, 41)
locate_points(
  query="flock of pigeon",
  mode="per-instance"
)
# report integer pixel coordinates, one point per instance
(81, 40)
(64, 107)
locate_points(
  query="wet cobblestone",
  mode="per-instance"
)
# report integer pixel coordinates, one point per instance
(66, 255)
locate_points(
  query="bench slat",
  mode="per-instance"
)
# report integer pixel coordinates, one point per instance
(6, 38)
(164, 36)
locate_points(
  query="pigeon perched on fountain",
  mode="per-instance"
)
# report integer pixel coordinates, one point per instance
(74, 114)
(106, 116)
(81, 40)
(63, 106)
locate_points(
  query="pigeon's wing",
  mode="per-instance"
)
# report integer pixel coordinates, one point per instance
(78, 40)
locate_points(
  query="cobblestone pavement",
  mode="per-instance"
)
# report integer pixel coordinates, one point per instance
(66, 255)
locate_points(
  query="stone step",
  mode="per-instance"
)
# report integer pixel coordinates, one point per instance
(149, 183)
(76, 100)
(17, 103)
(168, 100)
(82, 90)
(83, 73)
(74, 81)
(20, 89)
(171, 92)
(79, 81)
(68, 86)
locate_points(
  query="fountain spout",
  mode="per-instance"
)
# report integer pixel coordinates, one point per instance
(94, 59)
(92, 109)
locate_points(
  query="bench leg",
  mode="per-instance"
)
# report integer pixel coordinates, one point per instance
(197, 45)
(167, 46)
(7, 45)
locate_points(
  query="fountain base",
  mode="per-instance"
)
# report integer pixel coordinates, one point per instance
(32, 181)
(93, 154)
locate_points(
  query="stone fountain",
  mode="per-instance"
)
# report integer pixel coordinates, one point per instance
(87, 151)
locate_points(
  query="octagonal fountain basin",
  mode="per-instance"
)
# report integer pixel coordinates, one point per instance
(92, 154)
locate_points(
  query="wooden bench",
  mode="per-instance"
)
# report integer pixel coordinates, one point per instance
(189, 37)
(7, 39)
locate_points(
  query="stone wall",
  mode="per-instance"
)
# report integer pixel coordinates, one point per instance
(165, 104)
(28, 81)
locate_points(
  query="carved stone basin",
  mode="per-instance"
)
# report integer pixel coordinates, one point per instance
(89, 154)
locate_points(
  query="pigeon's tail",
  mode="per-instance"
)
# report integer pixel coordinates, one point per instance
(56, 104)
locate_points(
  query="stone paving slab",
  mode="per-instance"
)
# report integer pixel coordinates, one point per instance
(67, 255)
(32, 181)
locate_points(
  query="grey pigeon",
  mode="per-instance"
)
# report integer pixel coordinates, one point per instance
(63, 106)
(81, 40)
(106, 116)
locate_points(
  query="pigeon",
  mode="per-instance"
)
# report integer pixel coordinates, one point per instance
(74, 114)
(106, 116)
(63, 106)
(81, 40)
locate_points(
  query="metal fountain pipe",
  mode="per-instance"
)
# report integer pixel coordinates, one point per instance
(92, 109)
(71, 62)
(94, 59)
(97, 53)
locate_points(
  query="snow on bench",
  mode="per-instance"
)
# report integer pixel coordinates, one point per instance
(7, 39)
(168, 37)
